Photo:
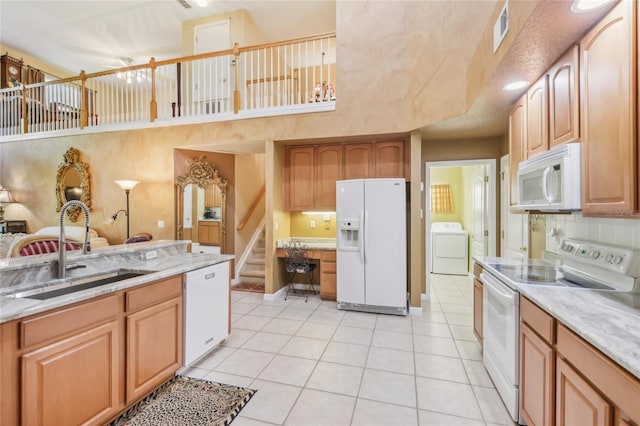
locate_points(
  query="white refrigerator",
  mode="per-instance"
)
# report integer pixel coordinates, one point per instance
(372, 245)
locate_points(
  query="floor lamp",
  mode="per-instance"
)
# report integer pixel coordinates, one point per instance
(127, 185)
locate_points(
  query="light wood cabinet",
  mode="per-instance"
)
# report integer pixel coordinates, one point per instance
(154, 335)
(209, 232)
(477, 302)
(329, 165)
(537, 369)
(578, 402)
(517, 144)
(564, 101)
(358, 161)
(389, 159)
(608, 115)
(328, 280)
(299, 178)
(73, 381)
(537, 111)
(212, 196)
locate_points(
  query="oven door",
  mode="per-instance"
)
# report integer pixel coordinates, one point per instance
(500, 330)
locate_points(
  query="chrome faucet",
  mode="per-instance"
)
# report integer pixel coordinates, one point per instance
(62, 249)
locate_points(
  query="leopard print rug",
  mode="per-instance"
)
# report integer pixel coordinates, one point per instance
(184, 401)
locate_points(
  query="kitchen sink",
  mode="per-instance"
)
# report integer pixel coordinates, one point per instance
(79, 284)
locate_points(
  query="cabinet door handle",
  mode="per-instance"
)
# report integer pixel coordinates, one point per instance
(209, 276)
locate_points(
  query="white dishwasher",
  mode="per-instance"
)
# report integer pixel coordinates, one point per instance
(206, 310)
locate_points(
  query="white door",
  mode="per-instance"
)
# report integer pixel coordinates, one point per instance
(514, 237)
(212, 76)
(479, 234)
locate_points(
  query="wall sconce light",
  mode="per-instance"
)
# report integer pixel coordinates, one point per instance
(127, 185)
(5, 198)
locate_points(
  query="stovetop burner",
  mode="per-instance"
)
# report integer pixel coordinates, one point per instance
(546, 275)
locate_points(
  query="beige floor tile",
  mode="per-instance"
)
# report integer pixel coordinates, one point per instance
(392, 340)
(282, 326)
(469, 350)
(337, 378)
(374, 413)
(492, 406)
(316, 330)
(299, 303)
(396, 324)
(461, 332)
(428, 328)
(431, 418)
(257, 298)
(390, 360)
(326, 316)
(435, 345)
(295, 314)
(477, 373)
(459, 319)
(440, 367)
(456, 308)
(447, 397)
(385, 386)
(218, 355)
(356, 335)
(359, 319)
(245, 363)
(251, 322)
(304, 347)
(346, 353)
(267, 310)
(329, 305)
(288, 370)
(236, 317)
(229, 379)
(245, 421)
(237, 337)
(271, 403)
(266, 342)
(195, 372)
(237, 296)
(432, 316)
(242, 307)
(317, 408)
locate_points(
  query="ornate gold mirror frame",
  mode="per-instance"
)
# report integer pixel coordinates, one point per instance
(70, 187)
(202, 174)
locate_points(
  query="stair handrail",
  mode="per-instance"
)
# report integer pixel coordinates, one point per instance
(253, 207)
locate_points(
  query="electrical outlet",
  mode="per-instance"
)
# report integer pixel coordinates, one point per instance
(326, 217)
(151, 254)
(312, 224)
(161, 224)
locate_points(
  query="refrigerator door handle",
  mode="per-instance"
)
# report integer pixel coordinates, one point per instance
(366, 234)
(362, 240)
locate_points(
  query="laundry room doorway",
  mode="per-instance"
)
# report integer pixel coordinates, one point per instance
(460, 197)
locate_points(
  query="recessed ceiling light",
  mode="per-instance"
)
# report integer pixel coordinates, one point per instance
(581, 6)
(202, 3)
(515, 85)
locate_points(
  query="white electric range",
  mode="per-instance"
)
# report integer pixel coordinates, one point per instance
(583, 266)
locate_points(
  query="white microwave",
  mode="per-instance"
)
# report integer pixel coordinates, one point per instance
(551, 180)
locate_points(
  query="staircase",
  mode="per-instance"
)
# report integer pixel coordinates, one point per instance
(253, 269)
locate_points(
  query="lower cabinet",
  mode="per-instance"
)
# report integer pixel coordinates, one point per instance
(328, 280)
(477, 302)
(73, 381)
(578, 403)
(84, 363)
(537, 368)
(209, 233)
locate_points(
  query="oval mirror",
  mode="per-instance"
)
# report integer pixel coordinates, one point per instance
(73, 183)
(201, 195)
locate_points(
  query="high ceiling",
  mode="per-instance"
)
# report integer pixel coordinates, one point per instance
(94, 35)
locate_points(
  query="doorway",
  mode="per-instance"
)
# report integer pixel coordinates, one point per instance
(472, 189)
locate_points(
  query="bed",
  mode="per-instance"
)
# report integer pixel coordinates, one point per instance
(45, 241)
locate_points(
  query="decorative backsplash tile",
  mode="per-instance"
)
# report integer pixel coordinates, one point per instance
(622, 232)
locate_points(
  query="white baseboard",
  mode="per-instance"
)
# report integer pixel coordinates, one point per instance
(415, 310)
(277, 295)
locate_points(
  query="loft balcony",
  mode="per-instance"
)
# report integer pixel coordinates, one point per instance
(288, 77)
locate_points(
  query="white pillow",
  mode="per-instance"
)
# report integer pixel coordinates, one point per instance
(76, 232)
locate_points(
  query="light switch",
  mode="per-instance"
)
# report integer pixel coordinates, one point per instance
(326, 217)
(312, 224)
(161, 224)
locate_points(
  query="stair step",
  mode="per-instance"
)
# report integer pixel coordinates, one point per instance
(256, 261)
(250, 273)
(247, 279)
(259, 250)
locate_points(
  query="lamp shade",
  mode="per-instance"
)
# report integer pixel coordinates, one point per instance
(127, 184)
(5, 196)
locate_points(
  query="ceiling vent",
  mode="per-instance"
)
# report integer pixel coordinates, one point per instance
(501, 26)
(184, 4)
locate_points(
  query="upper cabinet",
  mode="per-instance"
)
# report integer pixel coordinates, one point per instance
(608, 115)
(537, 111)
(564, 103)
(311, 172)
(517, 143)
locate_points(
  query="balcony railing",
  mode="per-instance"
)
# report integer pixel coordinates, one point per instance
(286, 77)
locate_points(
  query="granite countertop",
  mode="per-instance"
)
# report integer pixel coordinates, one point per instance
(155, 269)
(608, 320)
(312, 243)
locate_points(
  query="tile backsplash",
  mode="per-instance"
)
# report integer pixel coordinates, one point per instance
(622, 232)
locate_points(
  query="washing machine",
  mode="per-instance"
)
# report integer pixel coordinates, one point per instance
(449, 249)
